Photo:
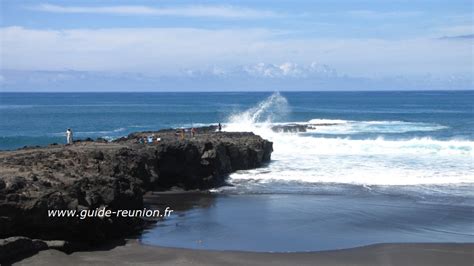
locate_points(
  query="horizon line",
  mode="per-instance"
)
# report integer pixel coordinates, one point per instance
(249, 91)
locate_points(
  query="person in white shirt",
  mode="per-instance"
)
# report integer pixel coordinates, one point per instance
(69, 136)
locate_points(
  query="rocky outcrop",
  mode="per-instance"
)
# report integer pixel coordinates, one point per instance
(92, 174)
(290, 128)
(19, 246)
(299, 128)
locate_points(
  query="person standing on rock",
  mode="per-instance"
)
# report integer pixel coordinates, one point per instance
(69, 136)
(193, 132)
(219, 127)
(149, 139)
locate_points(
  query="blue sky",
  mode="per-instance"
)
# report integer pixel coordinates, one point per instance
(194, 45)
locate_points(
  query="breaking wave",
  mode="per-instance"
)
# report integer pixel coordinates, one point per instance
(303, 157)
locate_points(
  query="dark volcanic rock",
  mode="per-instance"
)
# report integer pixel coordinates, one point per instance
(298, 128)
(20, 247)
(115, 175)
(293, 128)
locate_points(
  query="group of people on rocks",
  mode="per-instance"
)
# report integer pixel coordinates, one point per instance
(181, 133)
(149, 139)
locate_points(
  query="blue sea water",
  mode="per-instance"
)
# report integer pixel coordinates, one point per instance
(42, 118)
(375, 167)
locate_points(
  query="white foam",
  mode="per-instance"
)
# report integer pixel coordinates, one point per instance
(377, 161)
(357, 127)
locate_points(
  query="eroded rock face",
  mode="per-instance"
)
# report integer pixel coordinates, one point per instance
(89, 174)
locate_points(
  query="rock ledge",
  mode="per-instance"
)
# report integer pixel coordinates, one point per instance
(114, 175)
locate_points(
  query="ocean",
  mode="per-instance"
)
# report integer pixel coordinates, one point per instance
(389, 167)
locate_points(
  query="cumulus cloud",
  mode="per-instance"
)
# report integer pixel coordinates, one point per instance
(183, 11)
(266, 71)
(165, 51)
(289, 70)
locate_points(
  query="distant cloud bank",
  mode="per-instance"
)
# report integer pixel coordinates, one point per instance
(258, 77)
(267, 70)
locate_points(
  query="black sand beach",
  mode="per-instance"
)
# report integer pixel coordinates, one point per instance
(134, 253)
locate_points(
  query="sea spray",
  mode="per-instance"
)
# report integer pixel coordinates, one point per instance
(275, 107)
(305, 157)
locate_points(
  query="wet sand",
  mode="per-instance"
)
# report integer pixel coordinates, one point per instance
(133, 253)
(300, 223)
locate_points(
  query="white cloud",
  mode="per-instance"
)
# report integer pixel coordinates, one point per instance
(152, 50)
(288, 70)
(166, 51)
(183, 11)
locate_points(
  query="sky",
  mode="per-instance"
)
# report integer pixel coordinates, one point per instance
(105, 45)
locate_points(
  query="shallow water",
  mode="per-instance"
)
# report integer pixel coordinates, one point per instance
(292, 222)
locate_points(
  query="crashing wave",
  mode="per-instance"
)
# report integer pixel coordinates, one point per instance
(371, 161)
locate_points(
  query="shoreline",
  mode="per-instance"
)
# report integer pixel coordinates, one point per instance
(133, 252)
(348, 218)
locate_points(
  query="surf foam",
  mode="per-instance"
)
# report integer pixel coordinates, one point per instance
(299, 157)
